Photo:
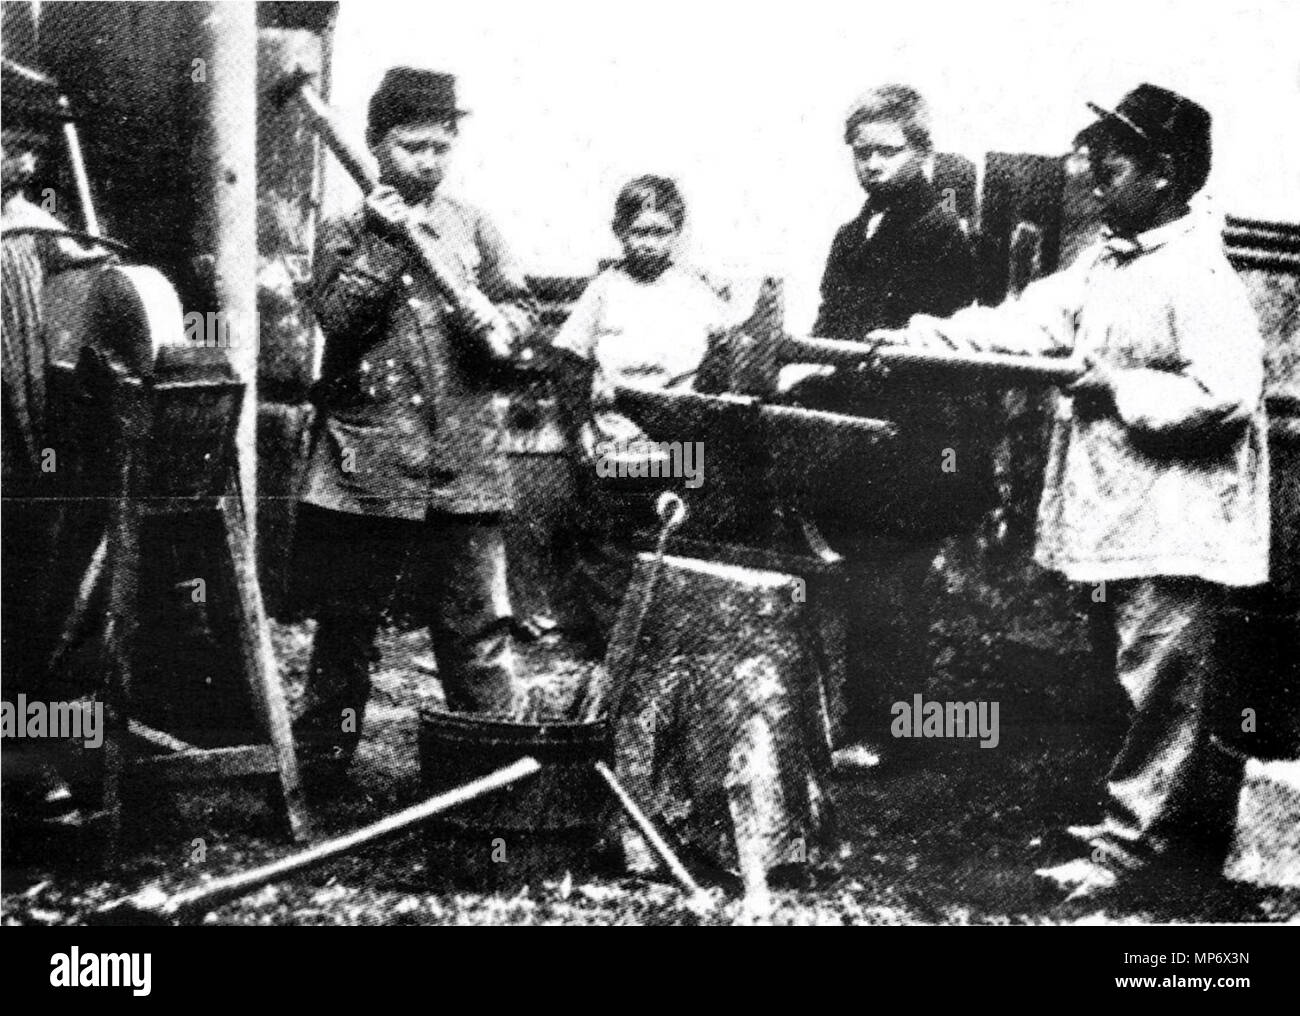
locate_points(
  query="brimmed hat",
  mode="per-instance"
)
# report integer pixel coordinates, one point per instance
(409, 94)
(1168, 123)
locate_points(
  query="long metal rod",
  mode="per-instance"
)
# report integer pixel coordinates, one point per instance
(79, 175)
(850, 354)
(602, 692)
(201, 899)
(651, 833)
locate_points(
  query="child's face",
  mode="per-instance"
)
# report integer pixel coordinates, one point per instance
(882, 157)
(648, 242)
(414, 157)
(1132, 192)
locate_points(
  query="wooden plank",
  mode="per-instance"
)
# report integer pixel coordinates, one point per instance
(200, 765)
(260, 666)
(760, 559)
(158, 738)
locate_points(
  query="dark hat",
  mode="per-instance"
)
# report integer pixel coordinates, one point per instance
(408, 94)
(1169, 124)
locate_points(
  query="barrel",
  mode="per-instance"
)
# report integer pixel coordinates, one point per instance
(535, 829)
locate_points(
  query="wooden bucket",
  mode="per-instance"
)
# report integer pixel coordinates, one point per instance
(535, 829)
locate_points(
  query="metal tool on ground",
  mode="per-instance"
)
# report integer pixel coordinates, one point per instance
(153, 906)
(699, 898)
(601, 697)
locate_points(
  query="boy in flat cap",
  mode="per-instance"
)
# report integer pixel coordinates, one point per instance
(1156, 493)
(409, 453)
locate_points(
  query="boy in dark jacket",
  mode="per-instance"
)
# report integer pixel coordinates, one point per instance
(906, 253)
(409, 451)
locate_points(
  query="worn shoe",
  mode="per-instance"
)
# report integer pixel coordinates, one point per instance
(855, 759)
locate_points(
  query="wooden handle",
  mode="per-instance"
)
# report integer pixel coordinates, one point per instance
(203, 898)
(350, 157)
(851, 354)
(358, 167)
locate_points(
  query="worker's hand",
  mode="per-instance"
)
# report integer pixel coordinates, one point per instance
(888, 337)
(933, 335)
(1098, 379)
(386, 209)
(797, 381)
(478, 315)
(603, 392)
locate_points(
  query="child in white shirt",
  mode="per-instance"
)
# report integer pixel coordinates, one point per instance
(644, 322)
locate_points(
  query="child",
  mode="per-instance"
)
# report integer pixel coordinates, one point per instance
(646, 322)
(1156, 492)
(408, 452)
(905, 253)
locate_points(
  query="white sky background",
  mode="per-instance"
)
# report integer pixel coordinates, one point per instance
(743, 104)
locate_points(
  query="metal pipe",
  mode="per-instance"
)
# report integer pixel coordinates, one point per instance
(79, 175)
(153, 906)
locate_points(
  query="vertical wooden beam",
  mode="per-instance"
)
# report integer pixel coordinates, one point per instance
(227, 153)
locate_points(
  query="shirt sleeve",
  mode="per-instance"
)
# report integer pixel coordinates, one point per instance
(354, 273)
(1042, 321)
(502, 280)
(578, 333)
(1217, 381)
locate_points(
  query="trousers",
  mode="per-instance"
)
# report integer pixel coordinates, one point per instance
(887, 647)
(1171, 791)
(357, 562)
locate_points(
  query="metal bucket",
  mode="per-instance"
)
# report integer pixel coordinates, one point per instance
(537, 828)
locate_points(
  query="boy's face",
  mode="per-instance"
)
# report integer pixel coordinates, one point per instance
(882, 157)
(1129, 188)
(414, 157)
(648, 243)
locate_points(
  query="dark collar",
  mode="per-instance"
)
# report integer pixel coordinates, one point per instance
(912, 202)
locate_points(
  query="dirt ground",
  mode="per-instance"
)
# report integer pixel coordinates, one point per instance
(951, 837)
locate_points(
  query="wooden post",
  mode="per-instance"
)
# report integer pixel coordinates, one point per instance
(227, 153)
(226, 87)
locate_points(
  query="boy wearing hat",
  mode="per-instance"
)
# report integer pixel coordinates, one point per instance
(409, 448)
(1156, 494)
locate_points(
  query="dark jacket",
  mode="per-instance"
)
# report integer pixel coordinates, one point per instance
(918, 262)
(411, 418)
